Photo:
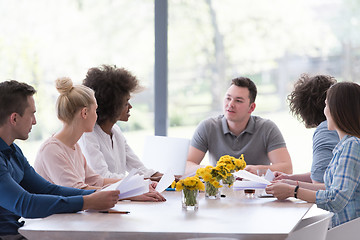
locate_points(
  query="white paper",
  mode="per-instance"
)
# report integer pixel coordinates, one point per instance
(130, 175)
(132, 185)
(241, 185)
(134, 192)
(252, 177)
(165, 181)
(112, 187)
(115, 186)
(269, 175)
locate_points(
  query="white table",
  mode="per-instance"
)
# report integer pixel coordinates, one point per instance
(232, 217)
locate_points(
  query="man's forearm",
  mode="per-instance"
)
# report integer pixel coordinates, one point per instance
(282, 167)
(191, 167)
(304, 177)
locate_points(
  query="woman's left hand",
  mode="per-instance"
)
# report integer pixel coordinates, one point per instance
(280, 190)
(152, 185)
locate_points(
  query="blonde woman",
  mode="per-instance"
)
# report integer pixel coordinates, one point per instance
(60, 159)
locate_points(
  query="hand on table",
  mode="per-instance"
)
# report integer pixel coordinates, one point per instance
(151, 196)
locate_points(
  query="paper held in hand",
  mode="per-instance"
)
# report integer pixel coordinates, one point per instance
(132, 185)
(254, 181)
(165, 181)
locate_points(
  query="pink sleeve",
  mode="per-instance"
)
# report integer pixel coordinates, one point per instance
(55, 164)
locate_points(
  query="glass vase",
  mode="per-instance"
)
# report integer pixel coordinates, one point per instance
(229, 180)
(190, 199)
(227, 189)
(211, 192)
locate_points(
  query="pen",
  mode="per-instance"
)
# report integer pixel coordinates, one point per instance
(118, 212)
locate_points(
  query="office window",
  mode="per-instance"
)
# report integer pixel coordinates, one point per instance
(272, 42)
(209, 43)
(42, 40)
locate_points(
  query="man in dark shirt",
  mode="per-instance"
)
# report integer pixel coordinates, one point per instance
(22, 191)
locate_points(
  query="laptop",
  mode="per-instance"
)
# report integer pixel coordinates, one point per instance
(166, 154)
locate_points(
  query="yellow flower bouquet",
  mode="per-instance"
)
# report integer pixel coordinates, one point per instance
(234, 165)
(190, 187)
(222, 171)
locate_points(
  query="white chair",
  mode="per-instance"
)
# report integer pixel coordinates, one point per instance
(166, 154)
(345, 231)
(312, 228)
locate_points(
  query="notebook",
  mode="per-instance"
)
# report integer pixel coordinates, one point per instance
(166, 154)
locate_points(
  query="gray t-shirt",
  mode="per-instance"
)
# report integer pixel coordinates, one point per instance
(324, 141)
(259, 137)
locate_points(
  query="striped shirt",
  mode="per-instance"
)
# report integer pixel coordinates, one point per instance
(342, 178)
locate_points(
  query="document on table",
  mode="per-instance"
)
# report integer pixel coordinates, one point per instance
(253, 181)
(132, 185)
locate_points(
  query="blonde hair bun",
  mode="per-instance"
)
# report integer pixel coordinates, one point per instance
(64, 85)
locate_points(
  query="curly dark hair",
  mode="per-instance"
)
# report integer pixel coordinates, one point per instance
(307, 100)
(112, 86)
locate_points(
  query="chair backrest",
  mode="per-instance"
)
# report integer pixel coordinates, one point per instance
(345, 231)
(166, 154)
(312, 228)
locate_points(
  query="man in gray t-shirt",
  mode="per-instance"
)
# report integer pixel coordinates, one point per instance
(237, 132)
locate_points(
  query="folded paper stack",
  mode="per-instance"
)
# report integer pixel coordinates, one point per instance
(252, 181)
(132, 185)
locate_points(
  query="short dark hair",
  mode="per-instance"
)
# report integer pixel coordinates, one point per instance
(246, 83)
(111, 86)
(343, 100)
(307, 100)
(13, 98)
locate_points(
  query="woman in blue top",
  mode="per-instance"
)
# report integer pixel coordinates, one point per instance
(307, 103)
(340, 192)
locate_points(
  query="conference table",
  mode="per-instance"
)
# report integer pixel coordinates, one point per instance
(232, 217)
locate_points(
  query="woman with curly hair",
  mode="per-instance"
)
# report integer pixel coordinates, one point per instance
(60, 159)
(106, 149)
(307, 103)
(340, 192)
